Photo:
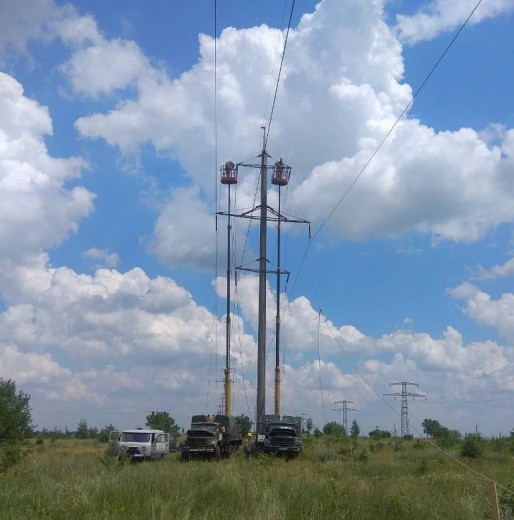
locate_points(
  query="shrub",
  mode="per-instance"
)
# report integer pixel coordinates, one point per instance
(15, 424)
(363, 456)
(472, 447)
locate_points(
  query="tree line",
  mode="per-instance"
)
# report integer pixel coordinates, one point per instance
(16, 429)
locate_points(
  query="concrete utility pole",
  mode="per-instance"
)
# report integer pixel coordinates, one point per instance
(344, 409)
(405, 404)
(261, 332)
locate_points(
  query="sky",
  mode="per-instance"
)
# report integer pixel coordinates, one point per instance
(399, 130)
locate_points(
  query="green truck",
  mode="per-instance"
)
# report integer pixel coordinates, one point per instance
(282, 436)
(211, 437)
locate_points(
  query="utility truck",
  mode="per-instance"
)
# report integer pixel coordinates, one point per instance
(141, 444)
(281, 436)
(212, 437)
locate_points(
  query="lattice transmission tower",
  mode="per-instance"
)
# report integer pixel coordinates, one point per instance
(405, 394)
(344, 410)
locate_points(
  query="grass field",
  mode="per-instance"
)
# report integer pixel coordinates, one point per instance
(332, 479)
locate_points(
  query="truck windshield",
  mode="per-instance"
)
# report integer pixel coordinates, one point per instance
(135, 437)
(281, 429)
(205, 426)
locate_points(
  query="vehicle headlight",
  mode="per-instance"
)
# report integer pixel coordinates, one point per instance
(144, 449)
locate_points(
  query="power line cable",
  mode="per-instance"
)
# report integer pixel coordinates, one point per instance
(386, 137)
(319, 369)
(241, 354)
(279, 74)
(381, 398)
(395, 124)
(274, 62)
(214, 343)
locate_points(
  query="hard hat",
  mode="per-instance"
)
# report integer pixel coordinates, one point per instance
(249, 434)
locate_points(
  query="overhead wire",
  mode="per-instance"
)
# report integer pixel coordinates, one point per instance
(381, 398)
(343, 197)
(382, 142)
(257, 184)
(214, 343)
(324, 222)
(386, 137)
(279, 73)
(380, 145)
(275, 61)
(237, 311)
(398, 119)
(319, 367)
(277, 84)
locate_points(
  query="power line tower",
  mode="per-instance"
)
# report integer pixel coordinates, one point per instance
(264, 214)
(405, 403)
(344, 410)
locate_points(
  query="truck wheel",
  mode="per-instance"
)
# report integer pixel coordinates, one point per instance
(217, 453)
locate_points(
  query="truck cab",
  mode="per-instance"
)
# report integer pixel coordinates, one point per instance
(141, 444)
(282, 436)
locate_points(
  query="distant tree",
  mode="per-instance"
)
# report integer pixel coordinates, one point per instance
(355, 429)
(52, 434)
(103, 435)
(309, 425)
(245, 424)
(432, 428)
(15, 413)
(334, 428)
(82, 429)
(379, 434)
(162, 421)
(15, 423)
(445, 437)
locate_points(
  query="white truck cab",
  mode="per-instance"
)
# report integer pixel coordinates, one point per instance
(140, 444)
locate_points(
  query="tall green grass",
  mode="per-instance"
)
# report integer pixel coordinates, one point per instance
(70, 479)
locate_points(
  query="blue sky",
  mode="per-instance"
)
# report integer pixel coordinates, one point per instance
(112, 297)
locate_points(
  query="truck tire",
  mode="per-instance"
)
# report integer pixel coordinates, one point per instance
(217, 453)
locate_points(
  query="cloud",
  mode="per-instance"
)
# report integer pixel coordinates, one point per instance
(48, 378)
(119, 339)
(443, 184)
(122, 340)
(37, 209)
(487, 311)
(108, 259)
(496, 271)
(42, 21)
(449, 185)
(184, 234)
(105, 66)
(17, 25)
(441, 16)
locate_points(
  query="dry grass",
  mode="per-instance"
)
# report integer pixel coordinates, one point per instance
(75, 479)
